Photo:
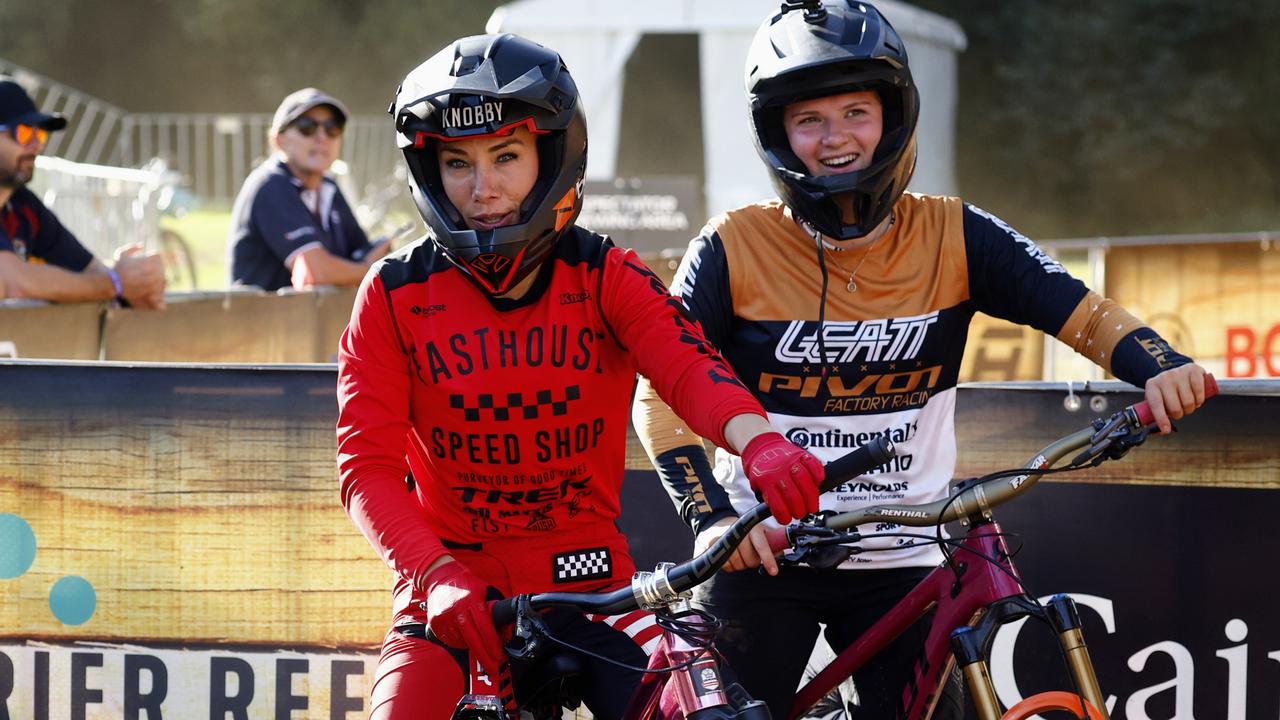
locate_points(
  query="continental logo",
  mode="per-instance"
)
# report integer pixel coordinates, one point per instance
(872, 392)
(884, 340)
(834, 438)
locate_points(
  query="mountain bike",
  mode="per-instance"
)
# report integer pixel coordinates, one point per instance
(974, 592)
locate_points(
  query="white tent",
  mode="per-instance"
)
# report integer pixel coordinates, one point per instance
(596, 38)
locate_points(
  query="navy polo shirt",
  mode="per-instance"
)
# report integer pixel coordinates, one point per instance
(270, 225)
(30, 230)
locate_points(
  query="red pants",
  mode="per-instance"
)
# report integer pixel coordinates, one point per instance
(418, 678)
(421, 679)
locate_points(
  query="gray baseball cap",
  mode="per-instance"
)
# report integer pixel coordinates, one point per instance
(300, 101)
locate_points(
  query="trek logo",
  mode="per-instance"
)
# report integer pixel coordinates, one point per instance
(884, 340)
(427, 311)
(472, 116)
(532, 496)
(573, 298)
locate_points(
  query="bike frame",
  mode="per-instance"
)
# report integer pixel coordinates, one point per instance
(678, 693)
(981, 582)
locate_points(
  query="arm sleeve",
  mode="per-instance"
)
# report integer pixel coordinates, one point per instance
(58, 246)
(702, 282)
(1011, 278)
(677, 453)
(374, 377)
(282, 220)
(668, 347)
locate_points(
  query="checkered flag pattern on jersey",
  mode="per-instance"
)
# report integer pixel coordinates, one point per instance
(527, 405)
(586, 564)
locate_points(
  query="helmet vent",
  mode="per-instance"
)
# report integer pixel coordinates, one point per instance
(465, 65)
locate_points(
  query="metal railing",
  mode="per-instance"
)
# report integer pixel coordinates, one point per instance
(213, 151)
(105, 207)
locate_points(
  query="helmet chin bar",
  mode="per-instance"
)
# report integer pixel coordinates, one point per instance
(495, 273)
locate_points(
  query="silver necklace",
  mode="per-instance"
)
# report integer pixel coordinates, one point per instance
(852, 286)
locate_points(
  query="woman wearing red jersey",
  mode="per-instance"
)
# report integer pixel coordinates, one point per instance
(485, 379)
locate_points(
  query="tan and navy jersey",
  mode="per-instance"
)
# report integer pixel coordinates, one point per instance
(886, 358)
(511, 416)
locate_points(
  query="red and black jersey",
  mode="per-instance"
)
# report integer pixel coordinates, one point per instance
(511, 416)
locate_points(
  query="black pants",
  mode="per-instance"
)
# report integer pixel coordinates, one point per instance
(771, 624)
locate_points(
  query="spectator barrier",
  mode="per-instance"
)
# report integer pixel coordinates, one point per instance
(171, 537)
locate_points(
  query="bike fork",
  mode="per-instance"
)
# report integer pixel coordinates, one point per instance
(1066, 620)
(969, 644)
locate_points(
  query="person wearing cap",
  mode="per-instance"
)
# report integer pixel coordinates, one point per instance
(290, 225)
(40, 259)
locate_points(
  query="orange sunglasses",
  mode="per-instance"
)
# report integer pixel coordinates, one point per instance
(24, 134)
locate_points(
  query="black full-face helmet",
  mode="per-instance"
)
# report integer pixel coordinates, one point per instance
(816, 48)
(489, 85)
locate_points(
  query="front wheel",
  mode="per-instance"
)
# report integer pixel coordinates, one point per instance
(1053, 700)
(179, 264)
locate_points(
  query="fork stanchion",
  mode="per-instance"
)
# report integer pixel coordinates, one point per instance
(1066, 619)
(966, 646)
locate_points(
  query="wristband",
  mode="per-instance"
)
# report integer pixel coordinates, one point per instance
(115, 281)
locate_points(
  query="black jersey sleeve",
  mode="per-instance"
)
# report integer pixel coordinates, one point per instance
(702, 282)
(1011, 278)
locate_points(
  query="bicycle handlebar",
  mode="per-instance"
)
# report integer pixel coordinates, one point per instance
(1142, 411)
(654, 589)
(662, 586)
(978, 499)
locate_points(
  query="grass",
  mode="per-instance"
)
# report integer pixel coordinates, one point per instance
(205, 234)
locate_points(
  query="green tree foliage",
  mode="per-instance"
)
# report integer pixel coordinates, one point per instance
(233, 55)
(1129, 117)
(1094, 117)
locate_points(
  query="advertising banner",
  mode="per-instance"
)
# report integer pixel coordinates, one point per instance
(171, 538)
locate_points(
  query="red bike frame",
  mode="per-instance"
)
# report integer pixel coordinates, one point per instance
(981, 584)
(681, 692)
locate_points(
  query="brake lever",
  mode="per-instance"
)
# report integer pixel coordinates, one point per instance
(529, 633)
(1112, 437)
(815, 545)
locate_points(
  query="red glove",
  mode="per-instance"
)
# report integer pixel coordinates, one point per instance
(459, 616)
(785, 474)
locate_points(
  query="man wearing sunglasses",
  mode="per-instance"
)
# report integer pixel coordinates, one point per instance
(290, 225)
(39, 258)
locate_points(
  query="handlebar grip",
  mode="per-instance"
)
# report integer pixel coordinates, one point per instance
(872, 455)
(1143, 410)
(504, 611)
(777, 537)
